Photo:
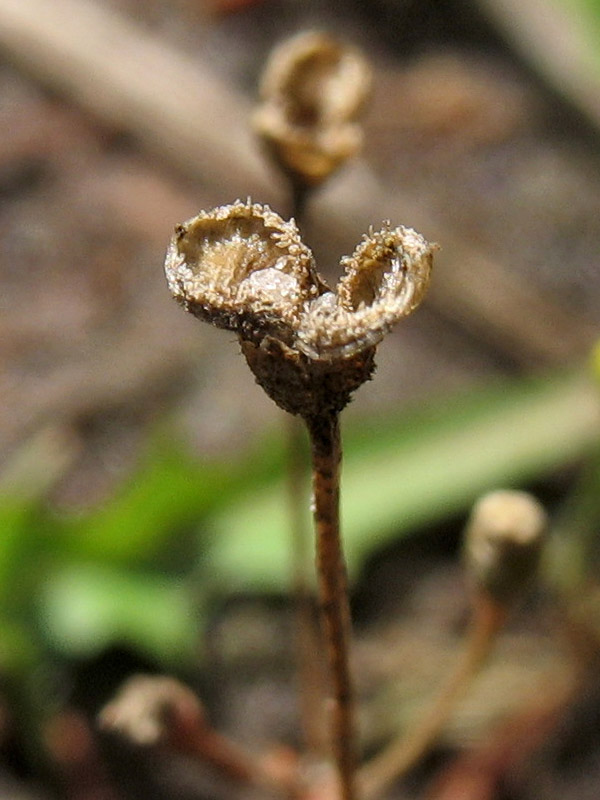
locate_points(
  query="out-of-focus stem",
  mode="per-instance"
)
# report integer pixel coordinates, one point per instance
(156, 710)
(300, 195)
(333, 592)
(211, 747)
(403, 753)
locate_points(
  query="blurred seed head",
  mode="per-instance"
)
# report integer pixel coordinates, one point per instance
(149, 710)
(311, 94)
(503, 542)
(243, 268)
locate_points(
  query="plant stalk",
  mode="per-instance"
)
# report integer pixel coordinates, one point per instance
(403, 753)
(211, 747)
(324, 435)
(309, 664)
(300, 195)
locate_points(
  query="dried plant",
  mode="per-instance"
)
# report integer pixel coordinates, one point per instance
(158, 711)
(241, 267)
(312, 91)
(502, 542)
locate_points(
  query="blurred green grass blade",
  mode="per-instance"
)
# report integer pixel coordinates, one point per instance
(15, 522)
(26, 531)
(572, 555)
(169, 491)
(84, 608)
(19, 652)
(26, 539)
(428, 465)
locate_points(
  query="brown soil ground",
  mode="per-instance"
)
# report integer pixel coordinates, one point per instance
(474, 148)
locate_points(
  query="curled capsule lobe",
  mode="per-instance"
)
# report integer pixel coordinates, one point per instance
(384, 280)
(241, 266)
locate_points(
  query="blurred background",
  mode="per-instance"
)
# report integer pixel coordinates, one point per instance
(142, 472)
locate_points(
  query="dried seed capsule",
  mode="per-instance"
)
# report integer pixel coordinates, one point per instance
(503, 541)
(303, 385)
(243, 268)
(312, 91)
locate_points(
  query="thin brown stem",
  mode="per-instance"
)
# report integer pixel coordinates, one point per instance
(333, 592)
(211, 747)
(403, 753)
(156, 710)
(309, 666)
(300, 195)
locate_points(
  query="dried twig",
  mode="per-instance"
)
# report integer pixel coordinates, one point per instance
(402, 754)
(309, 664)
(333, 593)
(503, 542)
(131, 80)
